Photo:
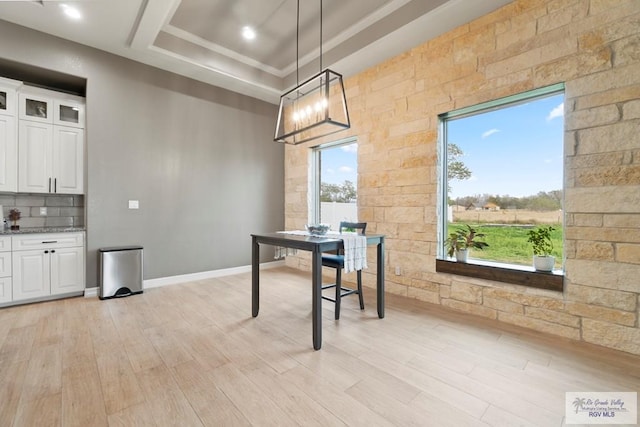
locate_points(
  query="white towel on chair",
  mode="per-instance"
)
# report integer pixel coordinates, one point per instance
(355, 252)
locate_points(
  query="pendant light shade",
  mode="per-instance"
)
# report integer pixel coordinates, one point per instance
(315, 108)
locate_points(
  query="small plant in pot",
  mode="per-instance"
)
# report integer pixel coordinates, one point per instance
(461, 241)
(540, 239)
(14, 216)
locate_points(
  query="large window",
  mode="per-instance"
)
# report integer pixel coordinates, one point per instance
(502, 174)
(334, 183)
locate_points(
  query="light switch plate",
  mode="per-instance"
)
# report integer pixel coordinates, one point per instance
(43, 211)
(134, 204)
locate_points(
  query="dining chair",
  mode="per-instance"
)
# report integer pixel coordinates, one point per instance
(337, 261)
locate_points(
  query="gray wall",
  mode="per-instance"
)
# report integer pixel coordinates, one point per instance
(198, 158)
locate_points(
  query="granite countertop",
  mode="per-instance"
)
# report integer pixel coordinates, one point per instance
(34, 230)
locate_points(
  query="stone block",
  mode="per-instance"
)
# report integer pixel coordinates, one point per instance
(473, 44)
(465, 292)
(594, 250)
(602, 199)
(612, 96)
(402, 215)
(423, 295)
(621, 220)
(592, 117)
(553, 316)
(614, 78)
(610, 335)
(627, 50)
(601, 313)
(587, 220)
(521, 298)
(561, 17)
(478, 310)
(608, 176)
(503, 305)
(631, 110)
(603, 274)
(597, 160)
(445, 291)
(540, 325)
(627, 252)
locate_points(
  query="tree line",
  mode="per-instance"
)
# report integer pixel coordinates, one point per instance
(543, 201)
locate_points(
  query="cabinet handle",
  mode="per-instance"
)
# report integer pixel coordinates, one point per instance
(49, 241)
(53, 252)
(46, 252)
(55, 185)
(49, 184)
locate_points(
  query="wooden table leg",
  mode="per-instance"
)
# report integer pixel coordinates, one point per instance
(316, 261)
(255, 277)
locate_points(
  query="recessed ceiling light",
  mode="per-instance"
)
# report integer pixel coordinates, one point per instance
(71, 11)
(248, 33)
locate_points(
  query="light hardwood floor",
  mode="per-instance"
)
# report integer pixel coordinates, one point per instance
(192, 355)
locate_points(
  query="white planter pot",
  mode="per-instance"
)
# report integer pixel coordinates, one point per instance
(462, 255)
(543, 262)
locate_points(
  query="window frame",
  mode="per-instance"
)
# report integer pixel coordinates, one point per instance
(315, 168)
(497, 271)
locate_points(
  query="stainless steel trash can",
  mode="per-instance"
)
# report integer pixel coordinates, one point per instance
(120, 271)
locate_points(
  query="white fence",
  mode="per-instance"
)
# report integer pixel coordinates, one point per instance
(333, 212)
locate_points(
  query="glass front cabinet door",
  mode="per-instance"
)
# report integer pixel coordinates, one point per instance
(36, 108)
(68, 113)
(8, 92)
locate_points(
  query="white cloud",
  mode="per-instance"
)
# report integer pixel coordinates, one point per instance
(556, 112)
(489, 133)
(351, 148)
(346, 169)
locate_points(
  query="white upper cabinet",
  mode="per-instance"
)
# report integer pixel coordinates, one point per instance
(68, 160)
(35, 173)
(8, 154)
(35, 107)
(8, 96)
(68, 113)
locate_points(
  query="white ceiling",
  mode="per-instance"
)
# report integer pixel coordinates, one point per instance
(202, 39)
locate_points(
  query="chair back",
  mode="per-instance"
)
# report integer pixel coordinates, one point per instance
(358, 227)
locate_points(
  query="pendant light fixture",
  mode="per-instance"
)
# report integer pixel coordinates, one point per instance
(314, 108)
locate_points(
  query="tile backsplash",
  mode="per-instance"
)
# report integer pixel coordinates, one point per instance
(63, 210)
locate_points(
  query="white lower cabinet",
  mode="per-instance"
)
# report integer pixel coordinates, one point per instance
(47, 264)
(6, 294)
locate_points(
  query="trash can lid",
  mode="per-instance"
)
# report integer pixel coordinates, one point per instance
(120, 248)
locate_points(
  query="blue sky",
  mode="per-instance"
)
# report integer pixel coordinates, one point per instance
(340, 164)
(515, 151)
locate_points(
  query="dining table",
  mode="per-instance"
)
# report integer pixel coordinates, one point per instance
(316, 244)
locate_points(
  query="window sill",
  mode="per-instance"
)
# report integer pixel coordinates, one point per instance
(502, 273)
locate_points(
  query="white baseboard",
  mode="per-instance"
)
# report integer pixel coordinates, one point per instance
(191, 277)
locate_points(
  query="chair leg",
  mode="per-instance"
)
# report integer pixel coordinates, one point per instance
(360, 290)
(338, 292)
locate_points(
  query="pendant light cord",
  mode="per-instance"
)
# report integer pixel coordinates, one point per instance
(320, 35)
(298, 45)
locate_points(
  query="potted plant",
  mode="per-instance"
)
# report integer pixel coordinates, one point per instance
(460, 241)
(14, 216)
(540, 239)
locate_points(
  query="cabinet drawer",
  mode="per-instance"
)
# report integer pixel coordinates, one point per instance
(6, 294)
(47, 241)
(5, 243)
(5, 264)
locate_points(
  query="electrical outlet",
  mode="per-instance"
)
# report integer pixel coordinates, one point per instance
(134, 204)
(43, 211)
(398, 270)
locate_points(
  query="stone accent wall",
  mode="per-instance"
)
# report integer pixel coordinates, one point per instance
(591, 45)
(62, 210)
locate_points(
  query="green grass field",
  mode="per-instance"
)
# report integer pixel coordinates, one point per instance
(509, 243)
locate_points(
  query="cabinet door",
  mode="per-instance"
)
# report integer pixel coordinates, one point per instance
(36, 108)
(67, 270)
(8, 96)
(31, 272)
(68, 160)
(34, 157)
(5, 264)
(68, 113)
(5, 289)
(8, 154)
